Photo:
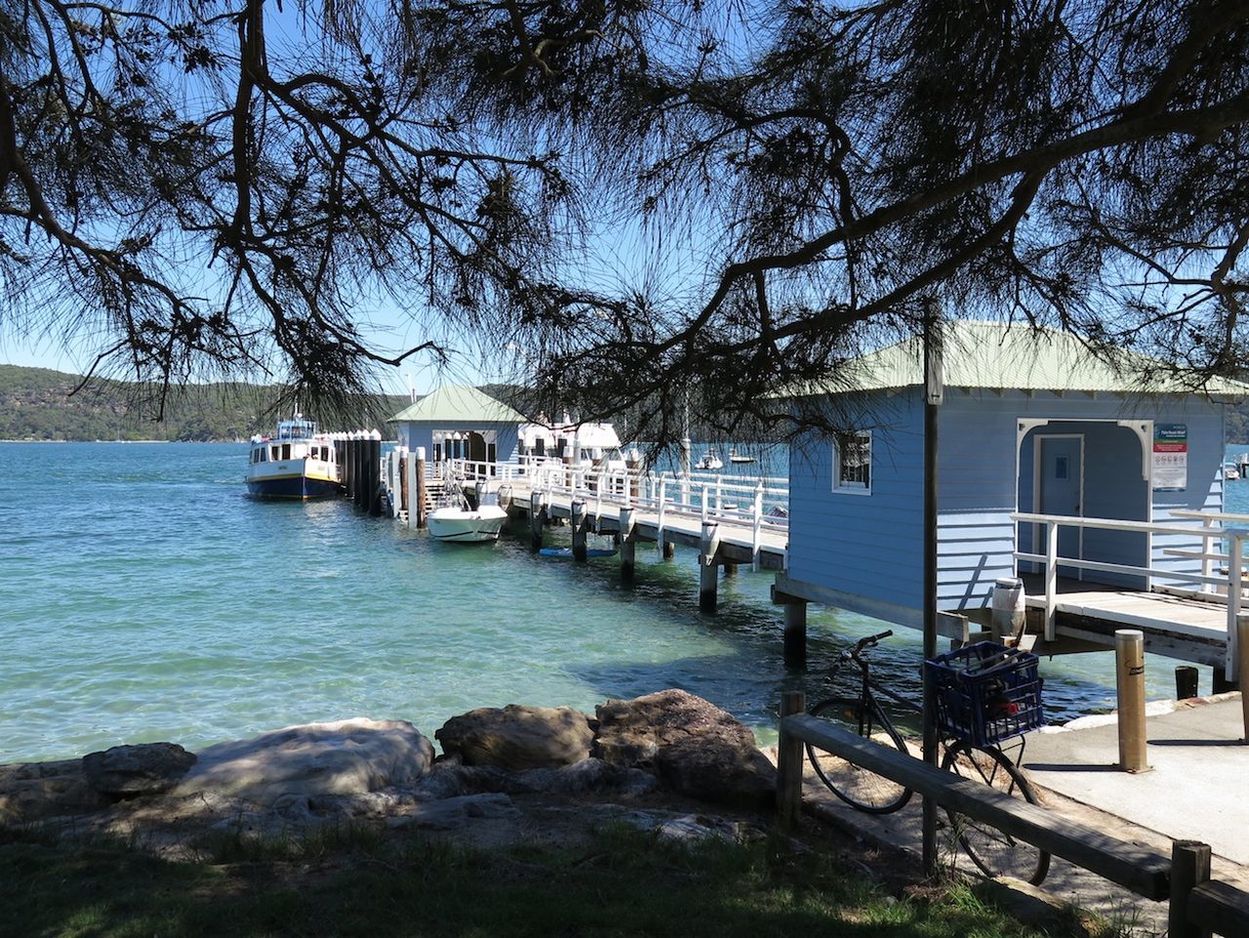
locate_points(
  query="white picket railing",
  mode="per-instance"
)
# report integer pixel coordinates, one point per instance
(761, 504)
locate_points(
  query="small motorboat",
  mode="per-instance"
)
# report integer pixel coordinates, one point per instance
(465, 525)
(736, 457)
(1231, 472)
(709, 460)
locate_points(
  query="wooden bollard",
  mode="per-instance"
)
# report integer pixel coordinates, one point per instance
(1130, 687)
(789, 764)
(628, 546)
(578, 522)
(536, 509)
(422, 495)
(795, 638)
(707, 578)
(405, 503)
(1190, 866)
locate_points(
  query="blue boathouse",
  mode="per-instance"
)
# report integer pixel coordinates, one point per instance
(459, 422)
(1030, 423)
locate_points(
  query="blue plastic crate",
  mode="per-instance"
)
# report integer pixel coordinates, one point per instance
(986, 692)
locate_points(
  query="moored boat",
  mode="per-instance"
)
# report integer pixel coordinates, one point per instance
(710, 460)
(296, 462)
(466, 525)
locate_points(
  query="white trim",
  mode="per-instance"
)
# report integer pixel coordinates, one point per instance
(852, 488)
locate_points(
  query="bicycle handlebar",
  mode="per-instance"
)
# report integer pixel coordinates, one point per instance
(871, 640)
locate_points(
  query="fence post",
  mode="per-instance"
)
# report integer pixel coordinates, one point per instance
(1235, 583)
(1190, 866)
(789, 764)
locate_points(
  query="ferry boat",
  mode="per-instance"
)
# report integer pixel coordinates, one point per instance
(590, 445)
(296, 462)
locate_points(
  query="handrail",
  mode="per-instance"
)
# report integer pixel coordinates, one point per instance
(1233, 581)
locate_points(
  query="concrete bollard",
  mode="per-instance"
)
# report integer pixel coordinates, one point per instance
(1130, 687)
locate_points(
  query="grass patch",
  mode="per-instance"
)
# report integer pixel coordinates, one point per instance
(624, 883)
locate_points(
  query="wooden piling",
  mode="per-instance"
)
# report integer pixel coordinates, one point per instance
(730, 569)
(578, 523)
(1190, 867)
(422, 496)
(536, 509)
(707, 560)
(795, 639)
(373, 497)
(789, 764)
(669, 550)
(1130, 688)
(628, 546)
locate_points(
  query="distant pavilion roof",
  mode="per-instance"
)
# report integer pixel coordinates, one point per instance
(998, 356)
(459, 403)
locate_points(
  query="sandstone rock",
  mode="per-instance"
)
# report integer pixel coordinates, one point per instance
(692, 745)
(342, 758)
(32, 791)
(518, 737)
(144, 769)
(451, 813)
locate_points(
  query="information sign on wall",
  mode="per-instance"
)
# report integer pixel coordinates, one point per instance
(1170, 456)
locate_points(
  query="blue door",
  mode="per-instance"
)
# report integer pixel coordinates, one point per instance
(1060, 479)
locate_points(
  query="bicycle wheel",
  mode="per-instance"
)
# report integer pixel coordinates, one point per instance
(996, 853)
(856, 786)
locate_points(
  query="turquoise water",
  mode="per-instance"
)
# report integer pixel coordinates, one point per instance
(143, 597)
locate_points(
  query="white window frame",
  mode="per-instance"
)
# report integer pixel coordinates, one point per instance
(850, 487)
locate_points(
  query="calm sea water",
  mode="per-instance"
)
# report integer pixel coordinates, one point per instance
(143, 597)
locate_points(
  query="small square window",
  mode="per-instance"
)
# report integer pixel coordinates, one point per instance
(852, 463)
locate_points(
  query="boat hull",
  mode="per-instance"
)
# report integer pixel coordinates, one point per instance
(295, 486)
(466, 527)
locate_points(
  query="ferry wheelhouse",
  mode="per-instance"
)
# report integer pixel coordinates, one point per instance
(296, 462)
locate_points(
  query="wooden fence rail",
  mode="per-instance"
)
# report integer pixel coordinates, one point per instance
(1199, 906)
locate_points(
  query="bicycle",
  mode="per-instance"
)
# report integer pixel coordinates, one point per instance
(986, 693)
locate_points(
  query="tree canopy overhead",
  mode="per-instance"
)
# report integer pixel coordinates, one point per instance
(825, 172)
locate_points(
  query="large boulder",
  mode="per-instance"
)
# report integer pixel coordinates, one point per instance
(33, 790)
(348, 757)
(144, 769)
(692, 745)
(518, 737)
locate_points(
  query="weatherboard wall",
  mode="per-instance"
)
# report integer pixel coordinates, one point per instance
(870, 546)
(412, 433)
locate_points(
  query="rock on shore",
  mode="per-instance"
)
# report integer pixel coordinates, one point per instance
(386, 770)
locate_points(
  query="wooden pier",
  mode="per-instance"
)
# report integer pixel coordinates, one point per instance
(731, 521)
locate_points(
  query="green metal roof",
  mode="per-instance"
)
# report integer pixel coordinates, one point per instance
(459, 403)
(1001, 357)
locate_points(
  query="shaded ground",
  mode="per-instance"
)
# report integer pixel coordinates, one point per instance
(557, 866)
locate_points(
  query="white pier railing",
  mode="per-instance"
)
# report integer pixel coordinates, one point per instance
(1224, 584)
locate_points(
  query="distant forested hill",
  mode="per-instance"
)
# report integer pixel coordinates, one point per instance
(36, 404)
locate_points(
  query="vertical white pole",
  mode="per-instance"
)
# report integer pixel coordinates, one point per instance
(1051, 577)
(1235, 583)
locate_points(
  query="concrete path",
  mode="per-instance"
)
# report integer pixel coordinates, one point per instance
(1198, 784)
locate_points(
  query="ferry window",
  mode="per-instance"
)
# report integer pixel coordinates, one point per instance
(286, 450)
(852, 463)
(273, 453)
